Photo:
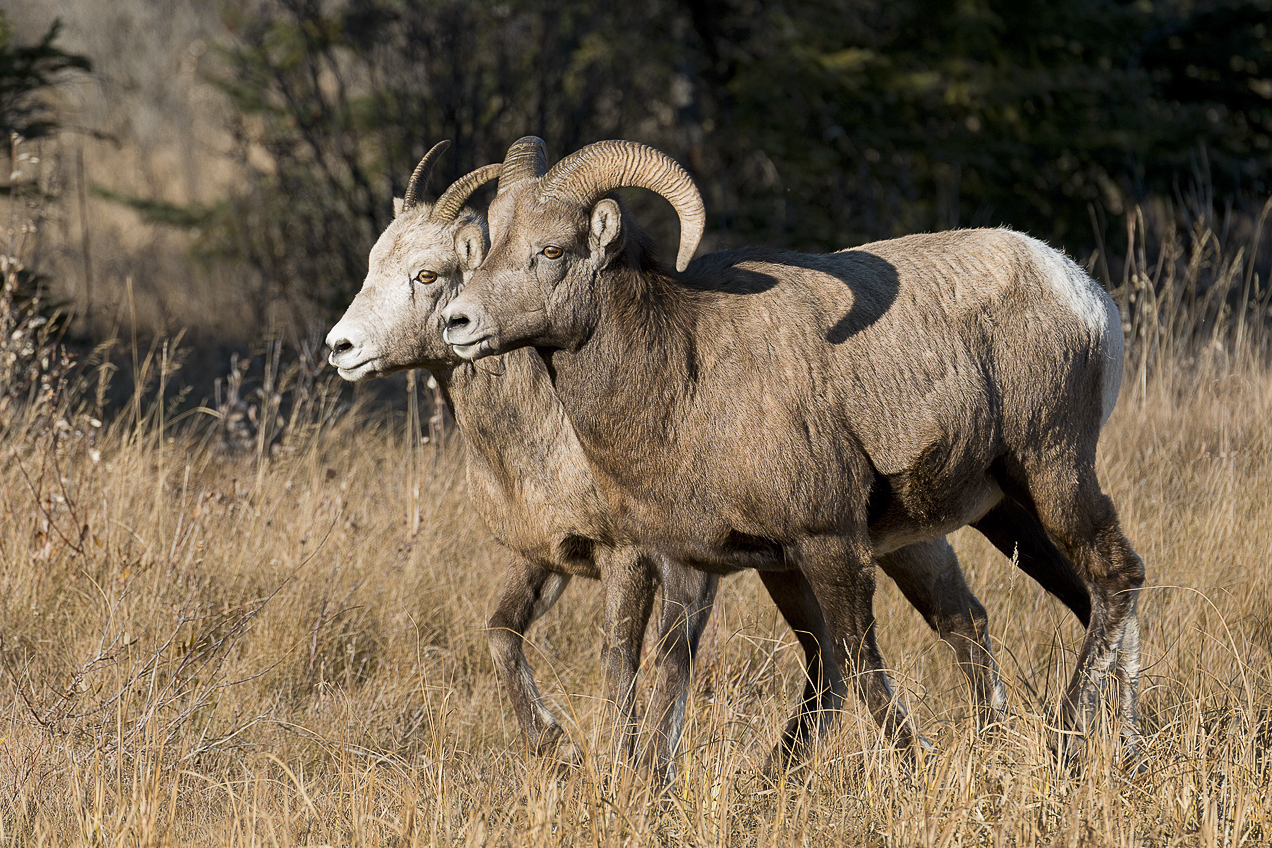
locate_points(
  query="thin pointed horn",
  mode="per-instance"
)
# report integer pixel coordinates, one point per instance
(419, 177)
(587, 175)
(527, 159)
(454, 198)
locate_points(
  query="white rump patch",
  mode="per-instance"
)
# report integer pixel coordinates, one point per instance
(1087, 300)
(1071, 285)
(1113, 352)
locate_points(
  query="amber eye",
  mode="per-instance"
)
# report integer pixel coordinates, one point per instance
(552, 252)
(425, 277)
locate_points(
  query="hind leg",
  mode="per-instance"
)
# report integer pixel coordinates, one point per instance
(1127, 671)
(1083, 522)
(1014, 529)
(929, 576)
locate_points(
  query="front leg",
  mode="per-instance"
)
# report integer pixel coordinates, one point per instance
(629, 579)
(824, 686)
(528, 593)
(842, 575)
(929, 576)
(688, 596)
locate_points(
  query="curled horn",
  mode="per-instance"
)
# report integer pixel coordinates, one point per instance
(454, 198)
(419, 178)
(527, 159)
(592, 172)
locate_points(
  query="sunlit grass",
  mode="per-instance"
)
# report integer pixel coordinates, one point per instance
(285, 646)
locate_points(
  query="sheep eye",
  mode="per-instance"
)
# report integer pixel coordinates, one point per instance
(426, 277)
(553, 252)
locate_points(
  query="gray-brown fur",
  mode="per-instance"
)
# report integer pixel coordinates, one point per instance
(781, 411)
(530, 480)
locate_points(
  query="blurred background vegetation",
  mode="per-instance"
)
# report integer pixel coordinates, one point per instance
(222, 168)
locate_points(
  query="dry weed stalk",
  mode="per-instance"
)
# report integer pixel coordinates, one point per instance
(34, 367)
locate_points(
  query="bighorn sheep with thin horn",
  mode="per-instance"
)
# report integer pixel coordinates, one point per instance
(526, 473)
(787, 412)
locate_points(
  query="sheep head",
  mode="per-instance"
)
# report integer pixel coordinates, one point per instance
(416, 266)
(552, 235)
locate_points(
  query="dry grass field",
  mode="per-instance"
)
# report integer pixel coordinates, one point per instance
(285, 646)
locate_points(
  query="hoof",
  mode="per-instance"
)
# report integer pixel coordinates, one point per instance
(568, 758)
(781, 762)
(1134, 761)
(547, 741)
(1067, 749)
(661, 770)
(918, 751)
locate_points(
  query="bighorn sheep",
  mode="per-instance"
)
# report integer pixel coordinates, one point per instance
(529, 479)
(771, 410)
(525, 471)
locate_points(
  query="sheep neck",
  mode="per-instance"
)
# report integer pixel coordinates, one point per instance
(626, 385)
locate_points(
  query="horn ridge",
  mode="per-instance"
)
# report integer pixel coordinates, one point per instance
(526, 159)
(457, 194)
(419, 177)
(591, 172)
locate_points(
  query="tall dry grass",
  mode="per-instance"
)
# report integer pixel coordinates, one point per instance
(277, 639)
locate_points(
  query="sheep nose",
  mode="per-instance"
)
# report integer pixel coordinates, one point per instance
(455, 317)
(340, 342)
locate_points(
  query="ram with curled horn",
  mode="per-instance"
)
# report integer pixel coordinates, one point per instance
(529, 479)
(812, 415)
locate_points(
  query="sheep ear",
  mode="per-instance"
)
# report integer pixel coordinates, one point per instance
(607, 228)
(398, 203)
(470, 244)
